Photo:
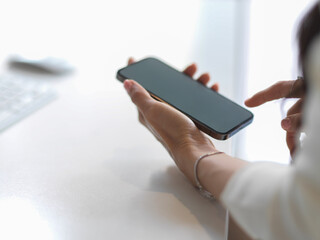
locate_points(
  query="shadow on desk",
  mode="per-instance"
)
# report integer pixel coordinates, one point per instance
(210, 214)
(235, 232)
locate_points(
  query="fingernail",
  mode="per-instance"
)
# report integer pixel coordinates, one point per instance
(127, 85)
(286, 123)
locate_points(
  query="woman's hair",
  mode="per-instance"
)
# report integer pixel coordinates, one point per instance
(308, 30)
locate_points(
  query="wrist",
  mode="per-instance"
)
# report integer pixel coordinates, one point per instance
(215, 171)
(209, 173)
(202, 190)
(187, 157)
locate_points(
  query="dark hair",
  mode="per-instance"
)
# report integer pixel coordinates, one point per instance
(308, 30)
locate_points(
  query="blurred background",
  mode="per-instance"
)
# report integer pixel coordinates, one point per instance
(77, 158)
(244, 45)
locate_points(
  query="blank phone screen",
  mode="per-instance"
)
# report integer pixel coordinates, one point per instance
(198, 102)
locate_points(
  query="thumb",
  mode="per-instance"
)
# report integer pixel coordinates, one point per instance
(139, 96)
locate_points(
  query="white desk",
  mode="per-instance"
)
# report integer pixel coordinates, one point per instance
(83, 168)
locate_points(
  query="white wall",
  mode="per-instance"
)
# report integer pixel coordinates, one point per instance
(271, 58)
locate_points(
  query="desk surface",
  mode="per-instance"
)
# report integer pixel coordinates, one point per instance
(83, 168)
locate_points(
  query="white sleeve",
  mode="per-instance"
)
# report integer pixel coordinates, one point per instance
(273, 201)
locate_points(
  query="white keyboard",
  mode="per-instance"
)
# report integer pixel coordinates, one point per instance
(19, 97)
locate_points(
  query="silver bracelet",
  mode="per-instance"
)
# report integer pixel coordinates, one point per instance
(201, 189)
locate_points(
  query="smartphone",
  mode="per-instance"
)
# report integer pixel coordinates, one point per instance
(212, 113)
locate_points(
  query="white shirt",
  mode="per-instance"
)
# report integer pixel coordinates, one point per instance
(272, 201)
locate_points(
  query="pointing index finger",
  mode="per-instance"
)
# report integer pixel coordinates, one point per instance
(276, 91)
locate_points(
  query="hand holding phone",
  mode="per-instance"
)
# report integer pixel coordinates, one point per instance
(214, 114)
(180, 136)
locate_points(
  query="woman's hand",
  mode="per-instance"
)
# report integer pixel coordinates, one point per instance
(284, 89)
(177, 133)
